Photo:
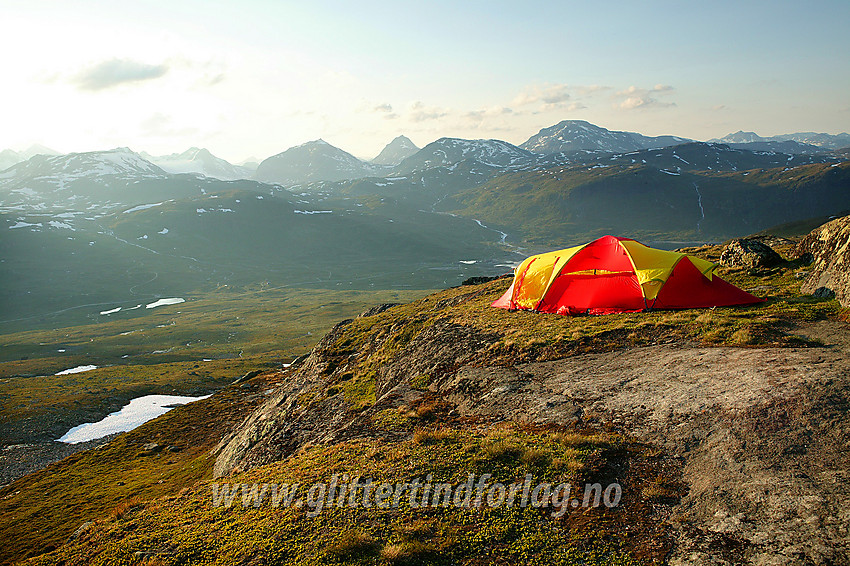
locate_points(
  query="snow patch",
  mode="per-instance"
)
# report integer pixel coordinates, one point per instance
(163, 302)
(143, 207)
(139, 411)
(116, 309)
(21, 224)
(78, 369)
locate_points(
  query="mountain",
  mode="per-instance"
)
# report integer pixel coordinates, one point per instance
(806, 140)
(107, 221)
(741, 137)
(576, 204)
(201, 161)
(119, 161)
(446, 152)
(396, 151)
(578, 135)
(700, 156)
(84, 230)
(781, 146)
(10, 157)
(91, 181)
(312, 161)
(826, 141)
(251, 164)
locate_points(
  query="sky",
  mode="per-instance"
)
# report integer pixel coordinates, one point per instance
(250, 79)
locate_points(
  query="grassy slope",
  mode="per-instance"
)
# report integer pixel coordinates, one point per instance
(238, 331)
(40, 511)
(156, 523)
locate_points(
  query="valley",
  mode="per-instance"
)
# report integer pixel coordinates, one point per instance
(175, 275)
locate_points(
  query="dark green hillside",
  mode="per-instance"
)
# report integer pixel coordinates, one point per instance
(236, 238)
(698, 156)
(576, 204)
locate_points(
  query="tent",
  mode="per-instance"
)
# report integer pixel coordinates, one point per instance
(613, 275)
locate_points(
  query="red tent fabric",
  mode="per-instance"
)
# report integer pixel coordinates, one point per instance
(612, 275)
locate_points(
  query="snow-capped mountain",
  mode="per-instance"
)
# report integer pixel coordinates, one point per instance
(448, 151)
(200, 161)
(701, 156)
(578, 135)
(313, 161)
(826, 141)
(741, 137)
(396, 151)
(9, 157)
(96, 180)
(119, 161)
(806, 139)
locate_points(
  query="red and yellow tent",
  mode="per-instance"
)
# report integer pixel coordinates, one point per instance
(613, 275)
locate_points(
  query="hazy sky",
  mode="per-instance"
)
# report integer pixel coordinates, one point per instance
(253, 78)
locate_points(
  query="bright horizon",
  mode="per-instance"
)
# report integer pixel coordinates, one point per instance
(256, 78)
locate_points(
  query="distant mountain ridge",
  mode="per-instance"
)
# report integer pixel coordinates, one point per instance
(821, 140)
(578, 135)
(449, 151)
(320, 216)
(313, 161)
(200, 161)
(320, 161)
(396, 151)
(118, 161)
(9, 157)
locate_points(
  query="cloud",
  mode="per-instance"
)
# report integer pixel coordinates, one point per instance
(384, 109)
(114, 72)
(387, 110)
(555, 96)
(483, 113)
(421, 113)
(634, 98)
(549, 94)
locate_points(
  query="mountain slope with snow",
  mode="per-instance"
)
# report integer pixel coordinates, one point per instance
(313, 161)
(202, 162)
(396, 151)
(578, 135)
(448, 151)
(9, 157)
(807, 140)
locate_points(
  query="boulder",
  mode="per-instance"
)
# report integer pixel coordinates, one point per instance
(80, 530)
(749, 253)
(377, 309)
(829, 245)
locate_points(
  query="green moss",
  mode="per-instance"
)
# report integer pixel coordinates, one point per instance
(421, 381)
(403, 535)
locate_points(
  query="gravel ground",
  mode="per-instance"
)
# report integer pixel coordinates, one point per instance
(18, 460)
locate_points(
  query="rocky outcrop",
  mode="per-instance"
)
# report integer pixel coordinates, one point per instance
(829, 246)
(759, 434)
(749, 253)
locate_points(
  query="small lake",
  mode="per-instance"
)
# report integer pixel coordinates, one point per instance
(139, 411)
